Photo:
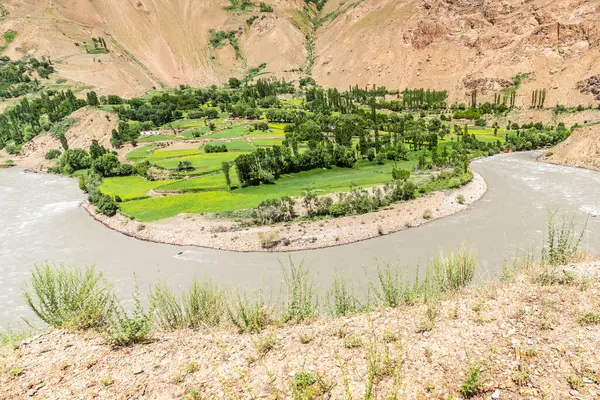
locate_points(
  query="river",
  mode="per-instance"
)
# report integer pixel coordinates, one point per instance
(40, 221)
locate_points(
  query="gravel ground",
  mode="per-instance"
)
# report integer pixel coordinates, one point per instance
(198, 230)
(526, 338)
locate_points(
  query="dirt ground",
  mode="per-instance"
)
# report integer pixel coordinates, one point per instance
(527, 339)
(581, 149)
(90, 124)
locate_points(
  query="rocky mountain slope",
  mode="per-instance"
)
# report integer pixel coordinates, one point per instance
(457, 45)
(581, 149)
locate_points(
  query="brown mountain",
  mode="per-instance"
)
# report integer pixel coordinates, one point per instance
(457, 45)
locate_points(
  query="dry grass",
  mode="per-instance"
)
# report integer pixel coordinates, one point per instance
(381, 354)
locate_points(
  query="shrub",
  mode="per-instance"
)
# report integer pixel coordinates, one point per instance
(11, 337)
(268, 239)
(52, 154)
(449, 272)
(300, 301)
(343, 299)
(473, 383)
(562, 243)
(339, 209)
(272, 211)
(400, 174)
(70, 298)
(202, 305)
(106, 205)
(308, 386)
(427, 214)
(265, 7)
(12, 148)
(352, 342)
(460, 199)
(589, 319)
(126, 328)
(390, 291)
(265, 344)
(215, 148)
(185, 165)
(249, 315)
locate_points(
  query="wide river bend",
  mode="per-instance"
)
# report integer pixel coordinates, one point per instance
(41, 221)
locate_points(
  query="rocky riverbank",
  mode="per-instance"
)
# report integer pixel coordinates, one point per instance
(202, 231)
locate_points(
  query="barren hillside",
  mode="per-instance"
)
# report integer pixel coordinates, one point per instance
(458, 45)
(581, 149)
(87, 124)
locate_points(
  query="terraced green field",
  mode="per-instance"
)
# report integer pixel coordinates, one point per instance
(237, 131)
(162, 154)
(141, 153)
(207, 182)
(130, 187)
(202, 163)
(238, 145)
(189, 134)
(267, 142)
(325, 181)
(158, 138)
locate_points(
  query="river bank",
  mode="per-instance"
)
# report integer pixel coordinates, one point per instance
(517, 339)
(202, 231)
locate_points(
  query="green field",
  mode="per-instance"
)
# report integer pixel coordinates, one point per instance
(162, 154)
(202, 163)
(208, 193)
(229, 133)
(238, 145)
(325, 181)
(129, 187)
(158, 138)
(184, 123)
(207, 182)
(189, 134)
(141, 153)
(267, 142)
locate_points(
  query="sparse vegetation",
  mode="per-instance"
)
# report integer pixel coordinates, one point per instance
(70, 298)
(264, 344)
(473, 383)
(353, 342)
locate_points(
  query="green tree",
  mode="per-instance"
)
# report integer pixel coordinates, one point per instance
(92, 99)
(106, 165)
(399, 174)
(226, 167)
(96, 150)
(234, 83)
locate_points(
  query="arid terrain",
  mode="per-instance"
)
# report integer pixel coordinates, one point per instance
(458, 45)
(526, 339)
(581, 149)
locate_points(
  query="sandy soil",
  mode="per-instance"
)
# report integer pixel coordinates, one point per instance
(91, 124)
(198, 230)
(526, 338)
(581, 149)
